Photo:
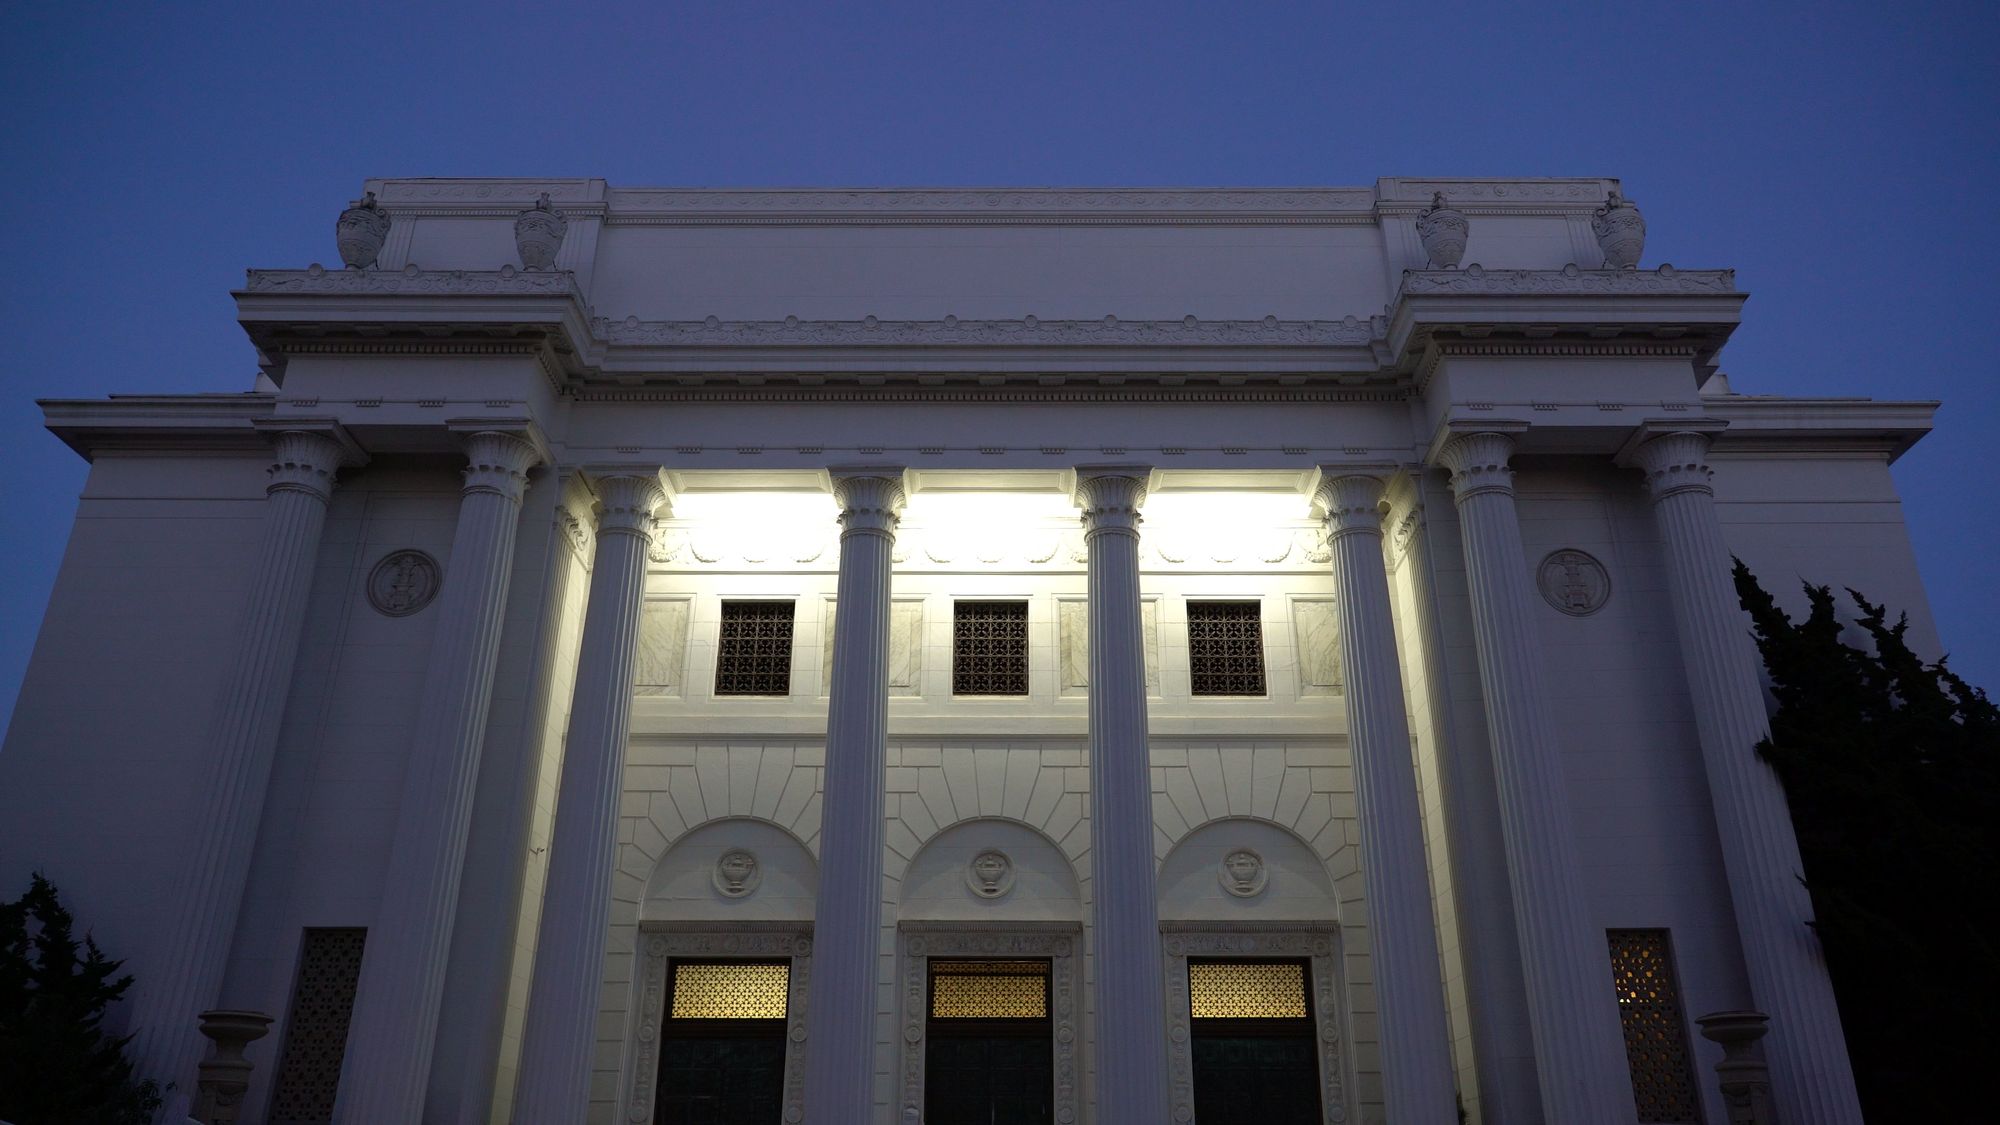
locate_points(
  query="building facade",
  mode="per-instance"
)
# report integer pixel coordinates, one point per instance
(942, 656)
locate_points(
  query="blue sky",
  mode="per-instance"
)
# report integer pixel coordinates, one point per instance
(1842, 158)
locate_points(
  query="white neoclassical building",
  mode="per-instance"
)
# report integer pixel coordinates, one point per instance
(869, 657)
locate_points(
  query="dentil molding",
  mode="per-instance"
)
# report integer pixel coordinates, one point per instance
(410, 279)
(1026, 331)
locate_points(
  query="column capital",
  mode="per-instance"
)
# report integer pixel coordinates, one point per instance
(1477, 455)
(306, 453)
(628, 498)
(1111, 496)
(498, 453)
(1349, 497)
(870, 497)
(1673, 454)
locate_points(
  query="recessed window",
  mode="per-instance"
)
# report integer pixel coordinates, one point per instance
(989, 648)
(1256, 1055)
(1225, 648)
(308, 1073)
(754, 656)
(722, 1047)
(988, 1054)
(1656, 1038)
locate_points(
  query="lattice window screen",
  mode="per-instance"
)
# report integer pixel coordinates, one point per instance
(1225, 648)
(308, 1073)
(989, 648)
(1247, 990)
(755, 653)
(1656, 1039)
(989, 990)
(730, 991)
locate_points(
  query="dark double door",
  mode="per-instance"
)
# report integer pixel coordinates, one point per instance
(721, 1080)
(991, 1079)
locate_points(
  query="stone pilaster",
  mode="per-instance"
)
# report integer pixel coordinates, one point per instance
(560, 1039)
(1418, 1078)
(186, 973)
(1579, 1048)
(847, 926)
(1811, 1077)
(1125, 910)
(390, 1038)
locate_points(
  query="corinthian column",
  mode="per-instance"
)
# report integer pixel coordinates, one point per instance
(847, 920)
(1125, 905)
(1417, 1074)
(1810, 1073)
(1579, 1048)
(187, 971)
(389, 1041)
(561, 1035)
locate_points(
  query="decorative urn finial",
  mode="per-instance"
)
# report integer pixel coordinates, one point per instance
(1621, 232)
(538, 234)
(1443, 230)
(360, 232)
(222, 1080)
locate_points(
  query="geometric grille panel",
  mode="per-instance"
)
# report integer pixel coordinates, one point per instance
(730, 992)
(308, 1073)
(1225, 648)
(1247, 990)
(754, 656)
(1656, 1042)
(990, 990)
(989, 648)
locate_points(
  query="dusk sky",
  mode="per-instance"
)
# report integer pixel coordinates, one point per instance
(1841, 158)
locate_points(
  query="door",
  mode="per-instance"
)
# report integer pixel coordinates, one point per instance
(988, 1056)
(722, 1048)
(1255, 1054)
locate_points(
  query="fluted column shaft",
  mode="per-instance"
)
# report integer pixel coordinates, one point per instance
(389, 1042)
(561, 1037)
(1579, 1049)
(187, 972)
(1125, 909)
(1810, 1073)
(847, 920)
(1418, 1079)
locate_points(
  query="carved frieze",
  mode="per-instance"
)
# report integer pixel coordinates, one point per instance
(1025, 332)
(1569, 279)
(410, 279)
(1332, 199)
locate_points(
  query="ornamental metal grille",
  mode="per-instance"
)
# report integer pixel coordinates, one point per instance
(1656, 1040)
(308, 1073)
(1225, 648)
(989, 648)
(990, 990)
(1247, 990)
(754, 656)
(711, 991)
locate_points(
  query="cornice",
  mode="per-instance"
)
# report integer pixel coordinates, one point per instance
(412, 279)
(222, 423)
(1112, 389)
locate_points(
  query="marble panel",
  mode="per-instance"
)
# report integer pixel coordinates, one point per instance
(1318, 636)
(1073, 644)
(906, 647)
(662, 653)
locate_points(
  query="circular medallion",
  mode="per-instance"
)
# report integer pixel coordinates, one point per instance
(1243, 873)
(1574, 582)
(990, 874)
(737, 873)
(403, 583)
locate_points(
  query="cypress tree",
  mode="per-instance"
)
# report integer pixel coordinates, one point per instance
(57, 1065)
(1891, 767)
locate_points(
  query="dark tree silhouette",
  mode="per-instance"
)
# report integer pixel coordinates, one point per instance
(1891, 766)
(57, 1066)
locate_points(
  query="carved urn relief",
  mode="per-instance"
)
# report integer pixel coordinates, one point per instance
(360, 231)
(737, 873)
(538, 234)
(1443, 230)
(1621, 232)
